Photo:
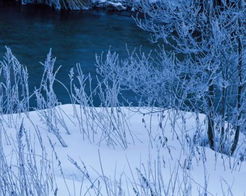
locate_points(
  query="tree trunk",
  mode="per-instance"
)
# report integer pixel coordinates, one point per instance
(210, 116)
(240, 85)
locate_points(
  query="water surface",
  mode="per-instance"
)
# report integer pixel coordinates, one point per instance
(75, 37)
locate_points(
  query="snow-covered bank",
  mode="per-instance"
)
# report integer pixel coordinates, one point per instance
(121, 151)
(111, 5)
(117, 5)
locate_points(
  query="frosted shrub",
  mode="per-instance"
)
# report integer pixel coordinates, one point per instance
(14, 88)
(210, 37)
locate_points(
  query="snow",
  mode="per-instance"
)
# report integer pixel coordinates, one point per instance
(151, 135)
(118, 5)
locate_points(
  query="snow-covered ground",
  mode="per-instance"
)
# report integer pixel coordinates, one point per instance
(119, 151)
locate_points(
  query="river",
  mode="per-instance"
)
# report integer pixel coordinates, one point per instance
(75, 37)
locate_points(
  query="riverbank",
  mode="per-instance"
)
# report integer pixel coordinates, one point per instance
(75, 5)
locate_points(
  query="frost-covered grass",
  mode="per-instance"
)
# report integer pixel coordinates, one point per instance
(78, 149)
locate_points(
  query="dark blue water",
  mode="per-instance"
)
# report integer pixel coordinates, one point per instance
(75, 37)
